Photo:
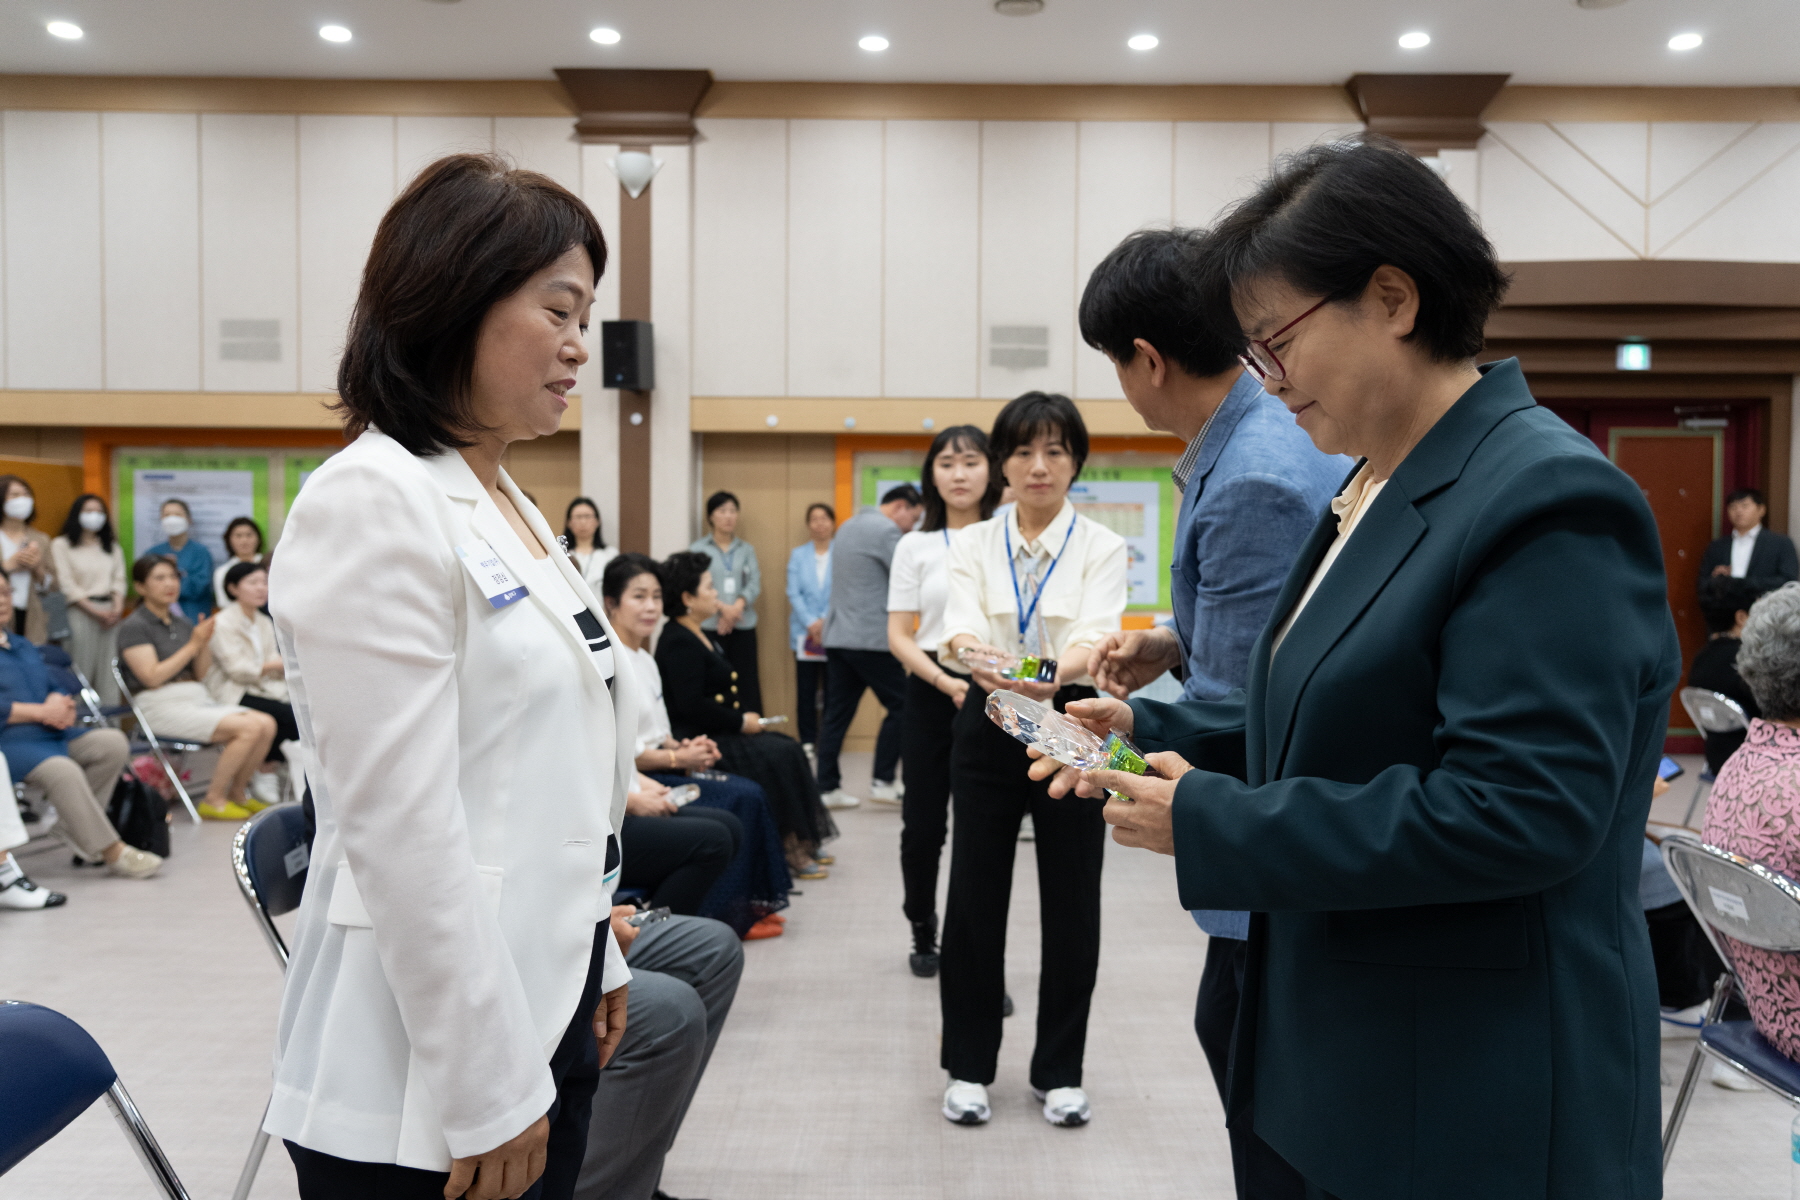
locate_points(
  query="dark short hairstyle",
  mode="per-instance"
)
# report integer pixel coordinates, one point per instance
(235, 522)
(903, 493)
(681, 574)
(1034, 413)
(467, 233)
(719, 500)
(1722, 598)
(237, 573)
(599, 525)
(957, 437)
(622, 570)
(817, 505)
(1330, 215)
(140, 570)
(72, 529)
(186, 511)
(1740, 494)
(1152, 286)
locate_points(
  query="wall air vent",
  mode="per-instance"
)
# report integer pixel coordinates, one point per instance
(1019, 347)
(249, 341)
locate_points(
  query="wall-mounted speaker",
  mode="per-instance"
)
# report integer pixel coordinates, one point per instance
(627, 355)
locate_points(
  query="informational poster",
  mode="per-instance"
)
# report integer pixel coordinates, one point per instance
(1138, 504)
(878, 481)
(216, 488)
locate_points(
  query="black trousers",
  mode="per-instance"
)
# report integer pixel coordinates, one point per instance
(991, 793)
(740, 648)
(925, 740)
(678, 858)
(286, 729)
(575, 1067)
(809, 681)
(847, 674)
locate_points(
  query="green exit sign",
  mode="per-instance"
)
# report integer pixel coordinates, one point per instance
(1633, 356)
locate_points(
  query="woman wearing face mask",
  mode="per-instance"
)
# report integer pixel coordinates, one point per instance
(25, 559)
(247, 669)
(959, 490)
(194, 561)
(243, 544)
(90, 570)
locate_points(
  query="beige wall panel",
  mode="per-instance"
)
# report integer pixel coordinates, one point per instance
(1216, 162)
(1028, 248)
(1462, 172)
(1296, 135)
(600, 431)
(834, 258)
(49, 443)
(1680, 149)
(932, 257)
(740, 258)
(421, 141)
(1619, 149)
(1735, 181)
(1127, 182)
(1759, 223)
(1529, 220)
(671, 308)
(543, 144)
(151, 187)
(550, 469)
(1542, 150)
(346, 184)
(53, 298)
(248, 237)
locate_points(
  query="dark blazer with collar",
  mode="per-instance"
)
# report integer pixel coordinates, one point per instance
(1433, 801)
(1773, 561)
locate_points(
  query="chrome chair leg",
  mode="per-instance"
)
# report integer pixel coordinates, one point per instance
(258, 1146)
(1714, 1011)
(156, 1164)
(1694, 804)
(168, 767)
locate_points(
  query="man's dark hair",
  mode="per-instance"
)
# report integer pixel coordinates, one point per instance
(140, 570)
(905, 493)
(1722, 598)
(72, 529)
(463, 236)
(626, 567)
(1151, 286)
(1747, 494)
(1034, 413)
(1328, 216)
(237, 573)
(958, 438)
(681, 574)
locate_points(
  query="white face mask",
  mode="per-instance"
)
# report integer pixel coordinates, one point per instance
(174, 526)
(92, 521)
(19, 508)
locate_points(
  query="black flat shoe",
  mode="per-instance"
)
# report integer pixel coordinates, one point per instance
(923, 965)
(924, 957)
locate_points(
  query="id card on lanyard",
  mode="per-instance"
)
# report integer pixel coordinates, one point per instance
(1025, 614)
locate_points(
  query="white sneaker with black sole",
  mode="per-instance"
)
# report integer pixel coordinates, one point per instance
(966, 1103)
(839, 798)
(18, 892)
(886, 793)
(1066, 1106)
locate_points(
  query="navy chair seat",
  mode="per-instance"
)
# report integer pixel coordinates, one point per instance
(276, 857)
(51, 1071)
(1742, 1044)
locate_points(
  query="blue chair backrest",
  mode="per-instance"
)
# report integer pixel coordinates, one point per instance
(276, 856)
(50, 1072)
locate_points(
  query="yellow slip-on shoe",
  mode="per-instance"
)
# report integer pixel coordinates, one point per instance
(252, 805)
(223, 812)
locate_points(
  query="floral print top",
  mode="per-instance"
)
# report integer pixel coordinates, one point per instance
(1754, 810)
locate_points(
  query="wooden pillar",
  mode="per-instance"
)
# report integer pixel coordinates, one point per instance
(633, 250)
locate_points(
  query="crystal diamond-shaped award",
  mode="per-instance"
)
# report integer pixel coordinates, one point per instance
(1063, 738)
(1008, 666)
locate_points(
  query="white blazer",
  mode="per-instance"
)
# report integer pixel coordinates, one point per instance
(467, 794)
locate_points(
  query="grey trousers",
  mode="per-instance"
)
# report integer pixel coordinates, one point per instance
(81, 783)
(684, 976)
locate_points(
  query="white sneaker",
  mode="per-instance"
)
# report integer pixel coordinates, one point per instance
(18, 892)
(1678, 1023)
(1027, 831)
(886, 793)
(1732, 1079)
(966, 1103)
(1064, 1106)
(266, 786)
(839, 798)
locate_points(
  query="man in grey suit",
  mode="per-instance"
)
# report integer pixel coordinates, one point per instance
(1252, 486)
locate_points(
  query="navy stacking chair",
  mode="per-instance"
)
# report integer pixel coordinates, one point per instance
(51, 1071)
(1732, 895)
(269, 856)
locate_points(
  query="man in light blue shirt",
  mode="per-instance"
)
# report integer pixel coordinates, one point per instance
(1252, 486)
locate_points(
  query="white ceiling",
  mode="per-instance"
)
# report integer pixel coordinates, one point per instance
(1072, 41)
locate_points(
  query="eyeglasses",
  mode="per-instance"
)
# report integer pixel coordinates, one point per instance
(1259, 357)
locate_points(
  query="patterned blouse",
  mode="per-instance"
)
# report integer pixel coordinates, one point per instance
(1754, 810)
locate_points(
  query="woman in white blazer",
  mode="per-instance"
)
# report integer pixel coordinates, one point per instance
(455, 986)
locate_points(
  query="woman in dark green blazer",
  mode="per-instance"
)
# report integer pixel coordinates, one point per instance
(1433, 793)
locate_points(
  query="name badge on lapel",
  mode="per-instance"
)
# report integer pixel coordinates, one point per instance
(490, 575)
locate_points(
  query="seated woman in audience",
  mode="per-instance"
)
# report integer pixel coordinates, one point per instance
(1750, 810)
(756, 883)
(1725, 604)
(247, 671)
(585, 541)
(243, 544)
(76, 767)
(676, 861)
(163, 657)
(700, 688)
(90, 572)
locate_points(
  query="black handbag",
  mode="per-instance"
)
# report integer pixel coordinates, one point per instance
(140, 816)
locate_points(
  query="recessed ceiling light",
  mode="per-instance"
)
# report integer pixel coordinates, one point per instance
(874, 43)
(1416, 40)
(605, 36)
(1685, 41)
(334, 33)
(64, 29)
(1142, 41)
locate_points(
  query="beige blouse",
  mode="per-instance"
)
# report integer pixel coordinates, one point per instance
(86, 571)
(1348, 507)
(240, 646)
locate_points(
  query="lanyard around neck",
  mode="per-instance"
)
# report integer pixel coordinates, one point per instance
(1025, 614)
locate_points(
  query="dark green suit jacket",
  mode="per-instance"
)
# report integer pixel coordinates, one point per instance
(1433, 801)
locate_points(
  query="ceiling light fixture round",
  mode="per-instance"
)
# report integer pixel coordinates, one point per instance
(334, 33)
(1018, 8)
(1143, 41)
(604, 36)
(67, 30)
(1685, 41)
(1416, 40)
(874, 43)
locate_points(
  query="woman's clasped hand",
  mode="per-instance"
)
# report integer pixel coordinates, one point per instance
(1138, 807)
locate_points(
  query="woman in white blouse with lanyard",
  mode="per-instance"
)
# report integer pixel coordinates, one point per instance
(455, 986)
(960, 488)
(1039, 580)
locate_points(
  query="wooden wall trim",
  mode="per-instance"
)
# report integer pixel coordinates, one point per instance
(403, 97)
(1720, 358)
(1633, 281)
(1626, 322)
(1522, 102)
(187, 410)
(794, 414)
(1029, 102)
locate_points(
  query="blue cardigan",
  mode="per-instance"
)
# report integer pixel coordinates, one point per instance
(26, 678)
(807, 597)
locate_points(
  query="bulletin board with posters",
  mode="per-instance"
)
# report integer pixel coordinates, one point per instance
(216, 486)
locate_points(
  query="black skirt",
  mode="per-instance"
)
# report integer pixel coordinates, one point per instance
(777, 762)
